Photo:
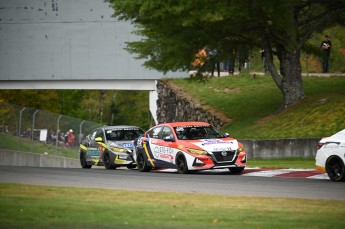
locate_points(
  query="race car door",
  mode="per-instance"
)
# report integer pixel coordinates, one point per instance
(164, 147)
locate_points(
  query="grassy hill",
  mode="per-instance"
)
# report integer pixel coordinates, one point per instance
(251, 103)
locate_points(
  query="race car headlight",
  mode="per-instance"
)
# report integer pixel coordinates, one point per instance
(121, 150)
(240, 149)
(195, 151)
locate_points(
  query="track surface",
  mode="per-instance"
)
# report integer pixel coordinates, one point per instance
(254, 182)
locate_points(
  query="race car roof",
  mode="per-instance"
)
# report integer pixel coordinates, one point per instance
(120, 127)
(175, 124)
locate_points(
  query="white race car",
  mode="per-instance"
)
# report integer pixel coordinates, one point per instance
(330, 156)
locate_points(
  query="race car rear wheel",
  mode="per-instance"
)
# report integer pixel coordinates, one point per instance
(141, 163)
(335, 169)
(83, 162)
(236, 170)
(107, 162)
(181, 164)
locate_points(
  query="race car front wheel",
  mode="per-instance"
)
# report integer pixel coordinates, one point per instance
(181, 164)
(141, 163)
(107, 162)
(83, 162)
(335, 169)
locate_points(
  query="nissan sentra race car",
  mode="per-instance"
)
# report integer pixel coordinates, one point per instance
(111, 146)
(330, 156)
(188, 146)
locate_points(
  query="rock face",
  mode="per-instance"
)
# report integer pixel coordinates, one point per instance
(173, 105)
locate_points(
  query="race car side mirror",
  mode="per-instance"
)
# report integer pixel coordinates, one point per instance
(99, 139)
(226, 135)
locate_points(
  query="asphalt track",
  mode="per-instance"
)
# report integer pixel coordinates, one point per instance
(270, 183)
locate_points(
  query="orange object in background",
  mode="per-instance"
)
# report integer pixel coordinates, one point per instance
(200, 58)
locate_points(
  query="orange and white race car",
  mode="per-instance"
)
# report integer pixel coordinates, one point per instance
(188, 146)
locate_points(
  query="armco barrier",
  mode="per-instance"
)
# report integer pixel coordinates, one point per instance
(280, 148)
(15, 158)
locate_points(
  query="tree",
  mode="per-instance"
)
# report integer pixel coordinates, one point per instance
(174, 31)
(39, 99)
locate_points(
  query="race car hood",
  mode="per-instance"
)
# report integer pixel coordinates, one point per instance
(122, 144)
(211, 145)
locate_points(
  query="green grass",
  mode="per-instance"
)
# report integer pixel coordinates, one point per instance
(26, 145)
(29, 206)
(283, 163)
(251, 103)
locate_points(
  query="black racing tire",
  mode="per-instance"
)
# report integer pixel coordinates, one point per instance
(141, 163)
(335, 169)
(83, 162)
(236, 170)
(181, 164)
(107, 162)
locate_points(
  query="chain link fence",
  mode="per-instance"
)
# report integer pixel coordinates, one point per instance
(31, 130)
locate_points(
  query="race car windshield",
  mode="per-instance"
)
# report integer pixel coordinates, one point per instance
(197, 132)
(123, 134)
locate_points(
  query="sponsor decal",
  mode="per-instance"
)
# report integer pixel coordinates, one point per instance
(93, 152)
(128, 145)
(216, 145)
(163, 152)
(216, 141)
(109, 131)
(180, 146)
(181, 128)
(221, 149)
(166, 156)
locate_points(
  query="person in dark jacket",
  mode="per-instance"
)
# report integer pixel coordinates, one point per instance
(325, 46)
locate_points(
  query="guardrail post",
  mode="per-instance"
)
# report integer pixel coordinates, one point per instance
(57, 134)
(20, 126)
(80, 128)
(33, 128)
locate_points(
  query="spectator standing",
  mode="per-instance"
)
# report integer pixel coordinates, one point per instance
(70, 138)
(325, 46)
(213, 61)
(264, 60)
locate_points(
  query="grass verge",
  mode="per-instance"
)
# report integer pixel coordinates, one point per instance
(29, 206)
(251, 102)
(283, 163)
(10, 142)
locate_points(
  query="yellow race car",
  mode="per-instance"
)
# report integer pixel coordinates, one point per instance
(109, 146)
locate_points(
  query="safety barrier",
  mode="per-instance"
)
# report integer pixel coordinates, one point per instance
(280, 148)
(16, 158)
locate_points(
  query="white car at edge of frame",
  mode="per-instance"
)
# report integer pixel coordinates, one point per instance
(330, 156)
